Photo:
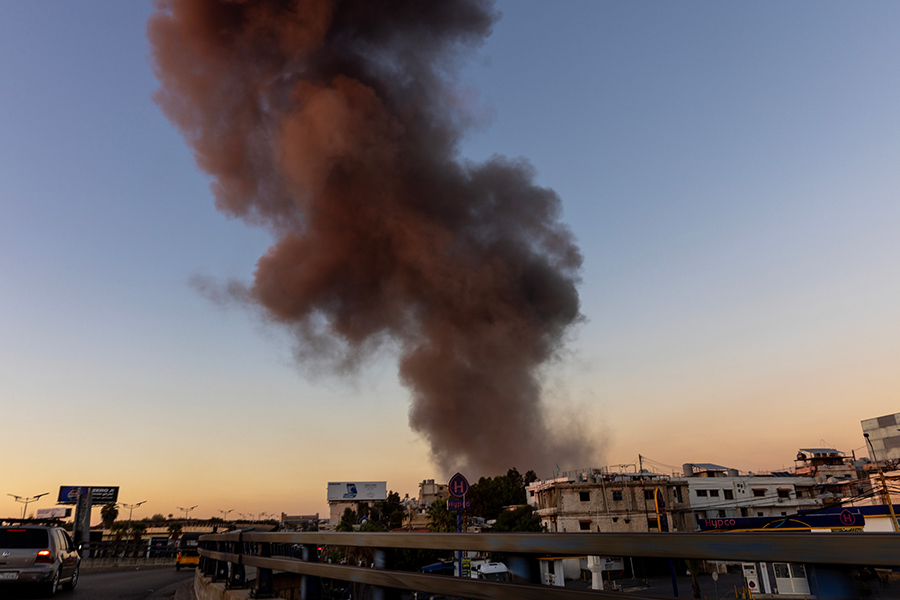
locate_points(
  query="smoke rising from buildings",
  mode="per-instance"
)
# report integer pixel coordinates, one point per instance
(335, 125)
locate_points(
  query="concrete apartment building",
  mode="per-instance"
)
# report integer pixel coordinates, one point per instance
(430, 492)
(599, 500)
(708, 491)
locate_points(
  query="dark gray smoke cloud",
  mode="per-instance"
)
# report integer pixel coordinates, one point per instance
(334, 124)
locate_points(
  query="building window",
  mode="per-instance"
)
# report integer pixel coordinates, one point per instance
(617, 495)
(584, 525)
(759, 493)
(648, 494)
(721, 514)
(652, 524)
(784, 493)
(759, 514)
(701, 493)
(678, 494)
(714, 493)
(584, 496)
(729, 494)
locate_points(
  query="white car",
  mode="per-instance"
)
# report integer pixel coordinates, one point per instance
(40, 556)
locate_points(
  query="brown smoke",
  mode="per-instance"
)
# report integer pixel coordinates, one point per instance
(334, 124)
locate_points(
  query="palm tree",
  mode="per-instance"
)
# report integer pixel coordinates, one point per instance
(439, 518)
(174, 531)
(137, 531)
(108, 513)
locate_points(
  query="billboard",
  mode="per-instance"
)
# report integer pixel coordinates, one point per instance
(356, 491)
(68, 494)
(51, 513)
(846, 519)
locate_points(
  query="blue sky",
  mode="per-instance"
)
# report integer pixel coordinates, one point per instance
(730, 171)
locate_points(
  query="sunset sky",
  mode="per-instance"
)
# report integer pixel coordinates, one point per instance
(730, 172)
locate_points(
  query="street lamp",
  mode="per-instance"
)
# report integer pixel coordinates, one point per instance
(131, 508)
(885, 495)
(225, 513)
(26, 500)
(187, 510)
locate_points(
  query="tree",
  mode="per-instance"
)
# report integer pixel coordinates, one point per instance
(348, 520)
(108, 513)
(439, 518)
(158, 517)
(174, 531)
(491, 495)
(523, 518)
(137, 531)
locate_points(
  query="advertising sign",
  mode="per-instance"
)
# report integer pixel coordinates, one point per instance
(459, 504)
(68, 494)
(356, 491)
(846, 519)
(53, 513)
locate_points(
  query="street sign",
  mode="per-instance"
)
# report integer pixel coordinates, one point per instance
(458, 486)
(459, 504)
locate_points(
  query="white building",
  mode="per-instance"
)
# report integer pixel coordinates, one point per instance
(709, 491)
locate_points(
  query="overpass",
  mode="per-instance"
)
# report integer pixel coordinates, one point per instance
(831, 559)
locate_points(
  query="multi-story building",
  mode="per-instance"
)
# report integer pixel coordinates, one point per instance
(884, 435)
(838, 478)
(430, 492)
(600, 500)
(709, 491)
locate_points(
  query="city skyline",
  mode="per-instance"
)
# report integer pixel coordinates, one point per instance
(728, 172)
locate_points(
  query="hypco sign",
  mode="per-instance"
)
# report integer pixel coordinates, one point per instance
(458, 486)
(459, 504)
(68, 494)
(356, 491)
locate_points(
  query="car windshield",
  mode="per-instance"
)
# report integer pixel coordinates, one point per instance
(497, 576)
(23, 538)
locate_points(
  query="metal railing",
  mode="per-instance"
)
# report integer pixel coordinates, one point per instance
(225, 556)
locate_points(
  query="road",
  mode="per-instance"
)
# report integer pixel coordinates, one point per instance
(144, 584)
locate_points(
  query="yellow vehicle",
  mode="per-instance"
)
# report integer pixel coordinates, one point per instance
(187, 551)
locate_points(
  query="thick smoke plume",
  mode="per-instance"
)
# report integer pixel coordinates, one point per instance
(335, 124)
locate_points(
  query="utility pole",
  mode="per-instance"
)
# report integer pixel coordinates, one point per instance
(885, 494)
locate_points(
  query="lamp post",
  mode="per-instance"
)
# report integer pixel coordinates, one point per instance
(131, 508)
(225, 513)
(26, 500)
(885, 495)
(187, 510)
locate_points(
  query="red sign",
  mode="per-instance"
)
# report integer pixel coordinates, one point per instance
(847, 518)
(458, 486)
